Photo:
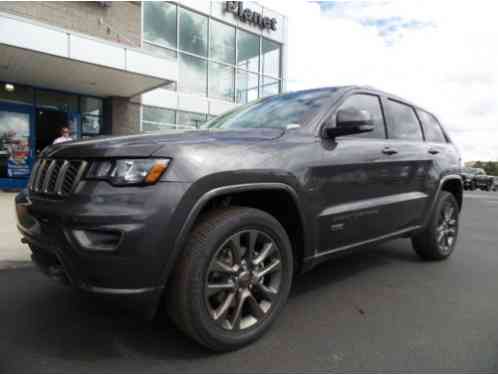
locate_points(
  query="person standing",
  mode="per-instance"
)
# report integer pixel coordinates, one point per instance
(64, 136)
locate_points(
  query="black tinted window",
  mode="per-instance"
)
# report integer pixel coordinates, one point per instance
(404, 123)
(371, 104)
(432, 129)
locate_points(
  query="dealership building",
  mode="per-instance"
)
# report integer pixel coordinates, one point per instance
(128, 67)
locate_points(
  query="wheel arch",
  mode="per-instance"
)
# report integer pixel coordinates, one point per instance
(453, 185)
(250, 195)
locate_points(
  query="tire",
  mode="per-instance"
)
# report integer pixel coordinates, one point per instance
(208, 313)
(437, 240)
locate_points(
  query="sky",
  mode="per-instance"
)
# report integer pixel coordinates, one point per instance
(441, 55)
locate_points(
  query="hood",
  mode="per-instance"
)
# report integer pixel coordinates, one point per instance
(145, 145)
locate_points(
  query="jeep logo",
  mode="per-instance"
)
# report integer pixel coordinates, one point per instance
(250, 16)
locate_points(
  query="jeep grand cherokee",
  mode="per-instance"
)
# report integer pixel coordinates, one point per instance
(213, 224)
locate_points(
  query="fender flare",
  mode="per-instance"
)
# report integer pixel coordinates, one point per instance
(205, 198)
(442, 181)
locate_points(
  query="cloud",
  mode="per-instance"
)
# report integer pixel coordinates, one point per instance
(441, 55)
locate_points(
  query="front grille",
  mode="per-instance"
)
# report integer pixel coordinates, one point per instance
(56, 177)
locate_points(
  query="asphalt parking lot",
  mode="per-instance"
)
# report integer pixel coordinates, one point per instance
(379, 310)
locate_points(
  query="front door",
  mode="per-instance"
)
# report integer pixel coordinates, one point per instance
(16, 141)
(356, 182)
(49, 124)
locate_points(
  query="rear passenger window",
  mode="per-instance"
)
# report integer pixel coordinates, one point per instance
(371, 104)
(404, 123)
(432, 129)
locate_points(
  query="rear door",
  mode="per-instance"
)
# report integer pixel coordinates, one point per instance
(440, 150)
(411, 165)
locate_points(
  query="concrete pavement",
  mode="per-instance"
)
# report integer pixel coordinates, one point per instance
(381, 310)
(12, 252)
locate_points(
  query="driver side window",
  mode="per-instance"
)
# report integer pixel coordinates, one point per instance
(371, 104)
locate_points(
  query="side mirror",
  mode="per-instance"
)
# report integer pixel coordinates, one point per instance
(349, 121)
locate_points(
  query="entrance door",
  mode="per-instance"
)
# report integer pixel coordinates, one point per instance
(16, 122)
(48, 127)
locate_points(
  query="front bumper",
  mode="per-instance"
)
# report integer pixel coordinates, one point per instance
(137, 217)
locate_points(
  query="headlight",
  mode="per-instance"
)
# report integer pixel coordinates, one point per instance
(128, 171)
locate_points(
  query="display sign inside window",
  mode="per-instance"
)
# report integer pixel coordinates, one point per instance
(250, 16)
(14, 145)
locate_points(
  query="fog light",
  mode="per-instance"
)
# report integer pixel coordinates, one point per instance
(9, 87)
(93, 240)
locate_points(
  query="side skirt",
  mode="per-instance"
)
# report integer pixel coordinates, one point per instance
(325, 255)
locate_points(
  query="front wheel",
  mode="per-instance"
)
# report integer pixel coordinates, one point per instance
(233, 278)
(437, 241)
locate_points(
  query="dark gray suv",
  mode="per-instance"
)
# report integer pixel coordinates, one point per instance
(213, 224)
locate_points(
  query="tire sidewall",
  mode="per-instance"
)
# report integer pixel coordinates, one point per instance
(443, 200)
(250, 219)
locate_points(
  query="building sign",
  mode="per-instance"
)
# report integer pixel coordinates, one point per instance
(249, 16)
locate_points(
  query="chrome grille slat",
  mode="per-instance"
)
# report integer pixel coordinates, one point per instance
(60, 177)
(40, 175)
(48, 176)
(56, 177)
(34, 172)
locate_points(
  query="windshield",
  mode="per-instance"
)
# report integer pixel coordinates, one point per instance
(473, 170)
(283, 111)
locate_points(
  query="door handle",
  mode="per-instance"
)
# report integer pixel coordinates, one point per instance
(433, 151)
(389, 151)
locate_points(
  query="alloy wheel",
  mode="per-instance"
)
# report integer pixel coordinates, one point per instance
(446, 230)
(243, 280)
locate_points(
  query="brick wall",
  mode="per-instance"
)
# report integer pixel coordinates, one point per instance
(121, 20)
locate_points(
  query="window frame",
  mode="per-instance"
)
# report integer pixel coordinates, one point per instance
(142, 121)
(438, 124)
(381, 106)
(390, 122)
(177, 52)
(330, 112)
(180, 10)
(157, 44)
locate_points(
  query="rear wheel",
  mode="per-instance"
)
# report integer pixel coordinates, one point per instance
(233, 279)
(437, 241)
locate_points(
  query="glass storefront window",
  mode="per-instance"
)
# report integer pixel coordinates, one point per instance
(91, 106)
(160, 23)
(221, 81)
(90, 125)
(193, 32)
(247, 87)
(248, 51)
(16, 94)
(192, 75)
(157, 119)
(221, 42)
(270, 86)
(190, 119)
(14, 144)
(161, 52)
(56, 100)
(271, 58)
